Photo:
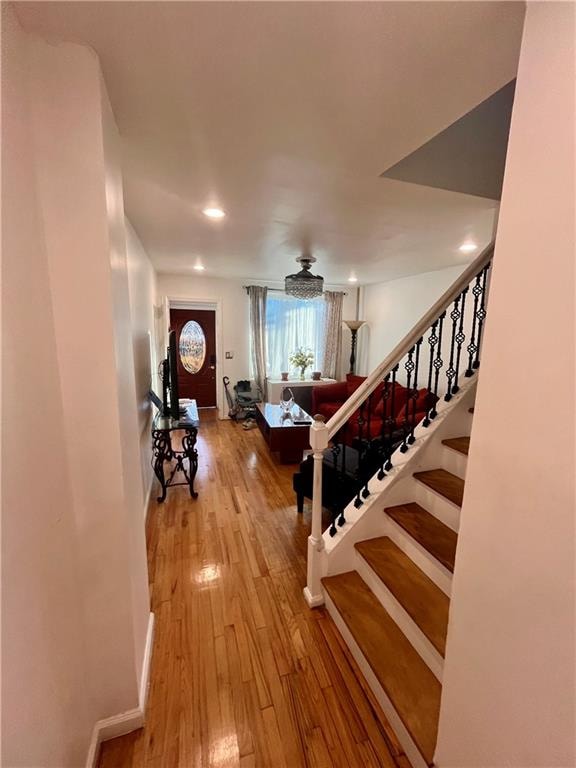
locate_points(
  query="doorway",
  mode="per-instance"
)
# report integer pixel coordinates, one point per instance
(196, 345)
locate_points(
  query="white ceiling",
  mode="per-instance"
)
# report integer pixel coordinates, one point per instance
(285, 114)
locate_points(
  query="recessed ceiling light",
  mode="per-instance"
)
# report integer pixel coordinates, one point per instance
(214, 213)
(352, 279)
(199, 267)
(468, 247)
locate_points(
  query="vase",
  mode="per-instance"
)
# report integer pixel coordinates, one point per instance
(302, 374)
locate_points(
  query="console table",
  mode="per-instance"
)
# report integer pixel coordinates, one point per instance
(163, 450)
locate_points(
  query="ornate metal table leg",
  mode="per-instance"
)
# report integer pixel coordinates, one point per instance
(162, 451)
(190, 452)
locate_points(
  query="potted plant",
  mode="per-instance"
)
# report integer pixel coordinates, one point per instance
(302, 359)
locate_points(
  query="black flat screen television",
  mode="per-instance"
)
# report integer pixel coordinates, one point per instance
(173, 375)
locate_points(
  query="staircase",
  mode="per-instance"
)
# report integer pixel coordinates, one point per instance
(393, 615)
(384, 567)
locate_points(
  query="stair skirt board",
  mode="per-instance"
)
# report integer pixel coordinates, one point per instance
(411, 630)
(412, 752)
(420, 556)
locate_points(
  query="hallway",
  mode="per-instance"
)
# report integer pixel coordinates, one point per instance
(243, 673)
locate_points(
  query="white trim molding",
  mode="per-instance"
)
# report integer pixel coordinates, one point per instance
(132, 719)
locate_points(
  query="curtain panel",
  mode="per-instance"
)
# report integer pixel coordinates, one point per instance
(257, 296)
(332, 334)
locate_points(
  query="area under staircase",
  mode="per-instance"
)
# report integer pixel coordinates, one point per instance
(384, 567)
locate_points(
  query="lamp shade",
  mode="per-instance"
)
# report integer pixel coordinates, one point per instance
(354, 324)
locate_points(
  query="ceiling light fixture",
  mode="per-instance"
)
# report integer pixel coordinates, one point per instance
(199, 267)
(352, 279)
(214, 213)
(303, 284)
(468, 247)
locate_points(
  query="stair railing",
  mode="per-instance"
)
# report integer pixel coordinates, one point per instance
(381, 415)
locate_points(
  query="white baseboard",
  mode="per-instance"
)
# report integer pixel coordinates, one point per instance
(146, 665)
(148, 496)
(125, 722)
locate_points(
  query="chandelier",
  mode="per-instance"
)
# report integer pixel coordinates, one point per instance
(304, 285)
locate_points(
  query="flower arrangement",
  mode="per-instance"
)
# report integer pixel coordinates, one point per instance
(301, 358)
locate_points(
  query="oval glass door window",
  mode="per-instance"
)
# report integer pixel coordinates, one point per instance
(192, 347)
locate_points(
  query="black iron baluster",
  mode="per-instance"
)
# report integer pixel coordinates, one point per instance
(472, 348)
(438, 363)
(358, 500)
(432, 341)
(481, 315)
(392, 420)
(385, 400)
(344, 433)
(450, 372)
(408, 367)
(368, 452)
(414, 394)
(460, 339)
(336, 450)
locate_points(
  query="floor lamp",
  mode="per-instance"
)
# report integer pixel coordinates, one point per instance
(354, 325)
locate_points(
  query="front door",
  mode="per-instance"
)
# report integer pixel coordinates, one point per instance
(196, 347)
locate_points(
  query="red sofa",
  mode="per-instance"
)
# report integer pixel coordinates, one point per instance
(327, 399)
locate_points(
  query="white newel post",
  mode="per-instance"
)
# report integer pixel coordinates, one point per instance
(318, 443)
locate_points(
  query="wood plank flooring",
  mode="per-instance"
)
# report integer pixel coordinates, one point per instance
(243, 672)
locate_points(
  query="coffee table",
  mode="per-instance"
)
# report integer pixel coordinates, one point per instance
(281, 433)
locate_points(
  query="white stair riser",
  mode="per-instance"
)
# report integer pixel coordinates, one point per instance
(454, 461)
(410, 748)
(411, 630)
(440, 575)
(447, 512)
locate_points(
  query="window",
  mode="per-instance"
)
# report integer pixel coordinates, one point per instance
(192, 347)
(293, 323)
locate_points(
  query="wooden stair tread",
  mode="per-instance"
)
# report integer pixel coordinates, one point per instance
(444, 483)
(460, 444)
(419, 596)
(427, 530)
(409, 684)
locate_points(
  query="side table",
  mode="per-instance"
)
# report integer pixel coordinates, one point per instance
(163, 450)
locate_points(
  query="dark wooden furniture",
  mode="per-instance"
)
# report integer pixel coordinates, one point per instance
(282, 431)
(341, 474)
(163, 450)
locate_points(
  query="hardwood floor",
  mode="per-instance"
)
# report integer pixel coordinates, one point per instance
(243, 672)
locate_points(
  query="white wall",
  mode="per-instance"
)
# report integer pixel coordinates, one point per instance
(392, 309)
(509, 687)
(142, 290)
(46, 716)
(235, 318)
(75, 609)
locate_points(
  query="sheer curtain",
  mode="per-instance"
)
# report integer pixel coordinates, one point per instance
(258, 300)
(293, 323)
(332, 334)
